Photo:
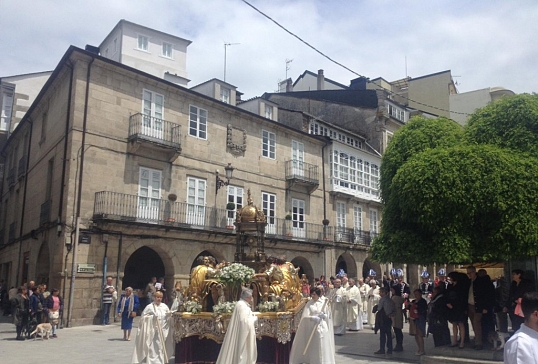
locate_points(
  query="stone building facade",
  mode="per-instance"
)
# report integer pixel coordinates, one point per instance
(117, 176)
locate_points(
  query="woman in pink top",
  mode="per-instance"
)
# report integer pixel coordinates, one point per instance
(55, 305)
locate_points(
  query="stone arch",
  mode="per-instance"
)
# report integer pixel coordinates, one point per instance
(144, 263)
(368, 264)
(304, 267)
(347, 263)
(42, 268)
(219, 257)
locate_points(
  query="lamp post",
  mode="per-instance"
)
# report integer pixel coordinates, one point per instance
(220, 183)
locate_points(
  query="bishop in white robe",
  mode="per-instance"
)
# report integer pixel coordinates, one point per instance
(339, 308)
(373, 299)
(154, 342)
(363, 305)
(239, 345)
(354, 321)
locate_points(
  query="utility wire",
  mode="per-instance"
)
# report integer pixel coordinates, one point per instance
(390, 92)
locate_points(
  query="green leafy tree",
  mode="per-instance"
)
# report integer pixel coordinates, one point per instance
(468, 199)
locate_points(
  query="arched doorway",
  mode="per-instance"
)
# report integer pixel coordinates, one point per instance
(347, 263)
(368, 264)
(304, 268)
(143, 264)
(43, 265)
(205, 253)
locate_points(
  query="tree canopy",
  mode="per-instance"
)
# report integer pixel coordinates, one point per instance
(458, 196)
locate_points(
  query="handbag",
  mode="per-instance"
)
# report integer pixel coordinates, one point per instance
(518, 311)
(413, 312)
(374, 309)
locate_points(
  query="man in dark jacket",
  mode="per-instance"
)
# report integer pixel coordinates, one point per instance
(481, 301)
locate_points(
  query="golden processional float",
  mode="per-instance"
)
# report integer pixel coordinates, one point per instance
(204, 314)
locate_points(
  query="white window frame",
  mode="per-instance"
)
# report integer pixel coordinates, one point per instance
(142, 43)
(196, 200)
(269, 210)
(235, 195)
(297, 158)
(374, 223)
(167, 50)
(225, 94)
(298, 213)
(198, 122)
(357, 222)
(7, 111)
(269, 112)
(341, 214)
(153, 111)
(149, 194)
(268, 144)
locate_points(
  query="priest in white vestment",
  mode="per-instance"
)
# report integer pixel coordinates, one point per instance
(155, 340)
(315, 319)
(339, 308)
(373, 299)
(239, 345)
(354, 321)
(363, 305)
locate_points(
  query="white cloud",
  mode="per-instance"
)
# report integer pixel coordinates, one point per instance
(486, 43)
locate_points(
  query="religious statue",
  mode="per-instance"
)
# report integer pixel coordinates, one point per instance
(201, 279)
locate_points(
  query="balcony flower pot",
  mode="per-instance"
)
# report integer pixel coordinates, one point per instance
(172, 197)
(230, 206)
(170, 219)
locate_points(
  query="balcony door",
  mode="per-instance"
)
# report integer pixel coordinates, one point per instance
(196, 201)
(340, 221)
(235, 196)
(269, 210)
(297, 158)
(149, 194)
(298, 215)
(153, 109)
(357, 223)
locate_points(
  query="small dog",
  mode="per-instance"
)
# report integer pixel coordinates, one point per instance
(497, 337)
(44, 330)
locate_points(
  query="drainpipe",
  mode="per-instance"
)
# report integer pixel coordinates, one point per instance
(325, 220)
(64, 162)
(79, 197)
(118, 264)
(24, 197)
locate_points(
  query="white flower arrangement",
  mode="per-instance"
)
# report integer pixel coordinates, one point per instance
(235, 273)
(225, 307)
(268, 306)
(192, 307)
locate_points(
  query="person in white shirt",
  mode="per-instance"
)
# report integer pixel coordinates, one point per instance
(522, 347)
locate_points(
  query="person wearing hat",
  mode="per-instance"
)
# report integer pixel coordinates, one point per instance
(426, 287)
(404, 289)
(442, 278)
(393, 277)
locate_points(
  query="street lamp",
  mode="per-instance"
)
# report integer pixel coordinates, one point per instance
(220, 183)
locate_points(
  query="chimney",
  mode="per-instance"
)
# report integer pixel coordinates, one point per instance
(289, 85)
(321, 80)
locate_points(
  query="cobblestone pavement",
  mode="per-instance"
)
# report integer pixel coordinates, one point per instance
(94, 344)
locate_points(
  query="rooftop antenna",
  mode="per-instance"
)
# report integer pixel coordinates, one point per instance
(225, 46)
(288, 61)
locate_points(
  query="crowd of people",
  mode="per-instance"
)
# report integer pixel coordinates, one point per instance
(30, 305)
(442, 307)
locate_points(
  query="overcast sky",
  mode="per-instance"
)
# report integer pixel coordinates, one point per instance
(484, 43)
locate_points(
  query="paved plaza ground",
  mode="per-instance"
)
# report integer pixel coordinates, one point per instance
(95, 344)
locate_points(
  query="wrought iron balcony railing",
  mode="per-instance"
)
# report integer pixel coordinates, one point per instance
(152, 129)
(123, 207)
(302, 172)
(353, 236)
